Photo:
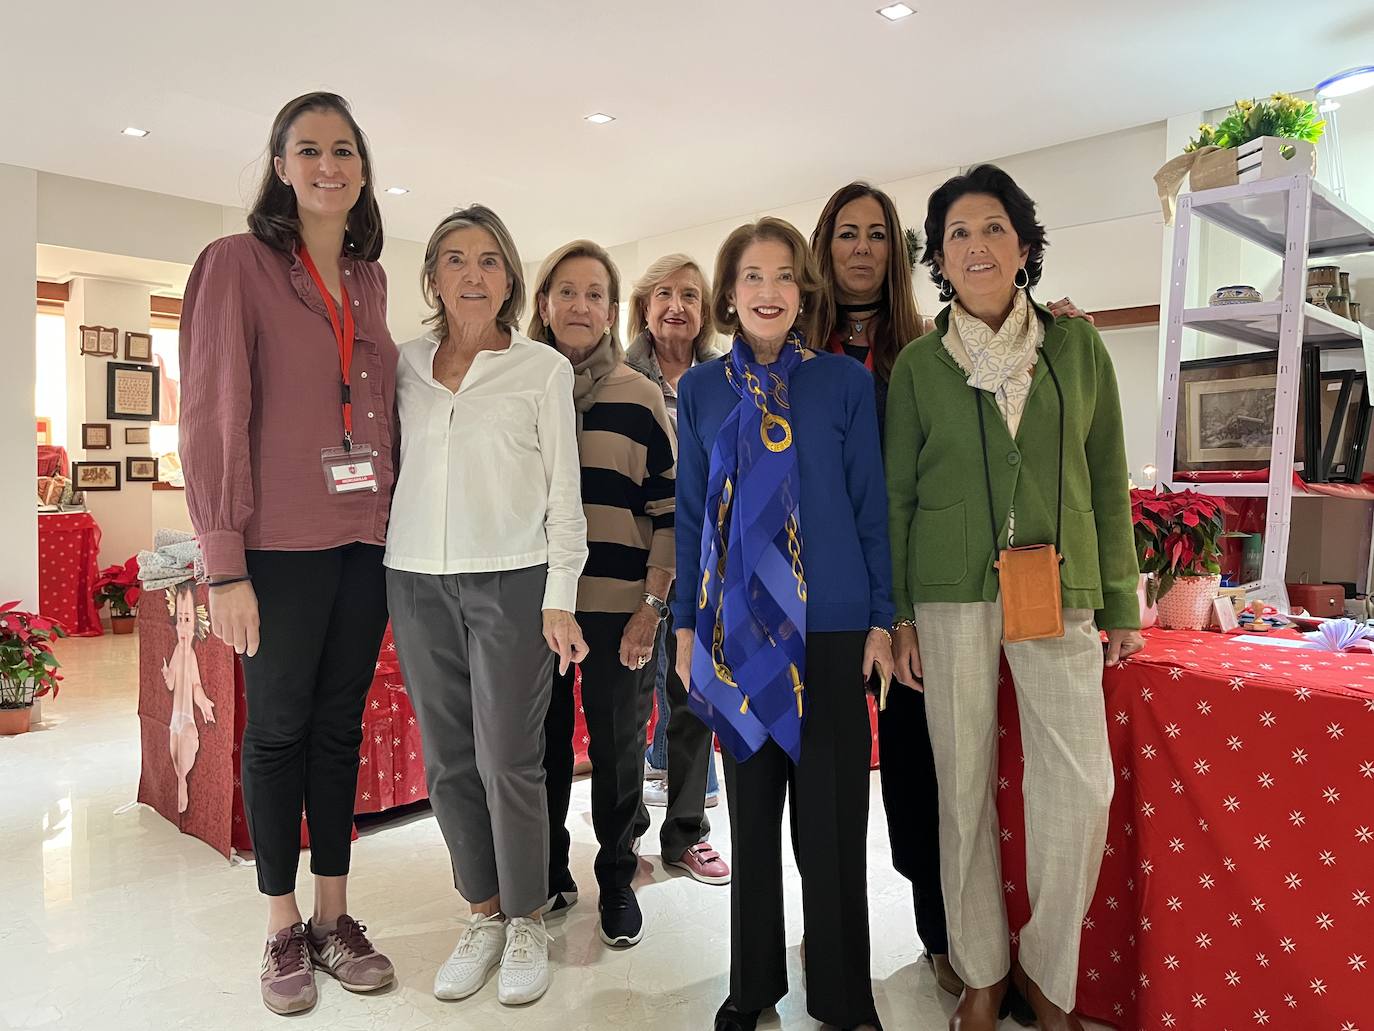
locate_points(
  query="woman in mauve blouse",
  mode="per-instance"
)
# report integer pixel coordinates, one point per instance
(288, 439)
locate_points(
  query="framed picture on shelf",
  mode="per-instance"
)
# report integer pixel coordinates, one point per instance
(1348, 433)
(95, 476)
(136, 434)
(132, 392)
(95, 436)
(138, 347)
(1226, 413)
(140, 470)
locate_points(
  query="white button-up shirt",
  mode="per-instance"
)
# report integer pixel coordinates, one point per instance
(490, 477)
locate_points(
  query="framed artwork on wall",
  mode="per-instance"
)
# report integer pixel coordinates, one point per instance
(95, 436)
(100, 341)
(95, 476)
(138, 347)
(140, 470)
(132, 392)
(136, 434)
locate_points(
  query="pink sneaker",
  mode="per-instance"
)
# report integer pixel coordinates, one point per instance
(703, 863)
(288, 980)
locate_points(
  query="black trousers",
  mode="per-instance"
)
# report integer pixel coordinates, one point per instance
(911, 798)
(689, 758)
(323, 614)
(616, 702)
(829, 800)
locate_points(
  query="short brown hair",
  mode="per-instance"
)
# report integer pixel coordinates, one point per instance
(814, 290)
(657, 272)
(476, 216)
(537, 330)
(274, 219)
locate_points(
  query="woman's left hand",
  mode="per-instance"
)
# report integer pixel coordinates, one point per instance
(878, 653)
(1122, 644)
(1065, 308)
(637, 643)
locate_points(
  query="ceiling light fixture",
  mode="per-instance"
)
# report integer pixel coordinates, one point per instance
(397, 191)
(599, 118)
(1342, 84)
(136, 133)
(896, 12)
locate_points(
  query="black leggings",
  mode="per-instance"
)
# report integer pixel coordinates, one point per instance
(323, 615)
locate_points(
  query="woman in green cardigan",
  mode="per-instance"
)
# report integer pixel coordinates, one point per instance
(1004, 422)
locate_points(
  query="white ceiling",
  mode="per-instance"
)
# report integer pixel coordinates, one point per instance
(724, 107)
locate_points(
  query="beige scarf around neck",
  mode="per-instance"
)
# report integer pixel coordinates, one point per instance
(591, 373)
(999, 362)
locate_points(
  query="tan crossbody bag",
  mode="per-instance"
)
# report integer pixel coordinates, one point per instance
(1032, 605)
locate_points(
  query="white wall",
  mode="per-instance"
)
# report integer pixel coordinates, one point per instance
(18, 502)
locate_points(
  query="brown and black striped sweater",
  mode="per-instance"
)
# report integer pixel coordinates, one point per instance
(629, 466)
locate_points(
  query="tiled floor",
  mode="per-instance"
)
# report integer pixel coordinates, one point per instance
(116, 922)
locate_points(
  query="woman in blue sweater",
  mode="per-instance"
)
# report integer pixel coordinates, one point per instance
(783, 614)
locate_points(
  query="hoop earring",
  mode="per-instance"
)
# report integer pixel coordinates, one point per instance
(946, 289)
(1022, 274)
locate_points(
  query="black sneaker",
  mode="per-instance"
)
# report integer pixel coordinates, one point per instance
(622, 925)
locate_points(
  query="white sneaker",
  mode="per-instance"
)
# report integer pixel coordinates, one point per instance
(478, 951)
(655, 792)
(653, 772)
(525, 964)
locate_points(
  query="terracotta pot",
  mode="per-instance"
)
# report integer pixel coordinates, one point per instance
(123, 624)
(1149, 614)
(1188, 603)
(14, 721)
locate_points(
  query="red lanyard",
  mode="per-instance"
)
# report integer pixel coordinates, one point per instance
(343, 336)
(837, 347)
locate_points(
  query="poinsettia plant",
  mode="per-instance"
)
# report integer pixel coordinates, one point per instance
(1177, 534)
(28, 668)
(118, 586)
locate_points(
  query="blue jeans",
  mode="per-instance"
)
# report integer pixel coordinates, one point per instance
(656, 756)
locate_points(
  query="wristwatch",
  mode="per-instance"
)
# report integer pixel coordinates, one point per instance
(657, 604)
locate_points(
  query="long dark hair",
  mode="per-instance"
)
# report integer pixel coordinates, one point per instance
(274, 219)
(899, 323)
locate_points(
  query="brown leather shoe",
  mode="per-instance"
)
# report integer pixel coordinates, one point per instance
(979, 1008)
(945, 975)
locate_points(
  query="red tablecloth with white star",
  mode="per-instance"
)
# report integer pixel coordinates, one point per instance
(68, 564)
(1237, 886)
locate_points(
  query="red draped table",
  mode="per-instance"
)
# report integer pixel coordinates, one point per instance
(68, 564)
(1237, 885)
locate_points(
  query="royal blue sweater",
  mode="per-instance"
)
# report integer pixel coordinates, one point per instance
(843, 515)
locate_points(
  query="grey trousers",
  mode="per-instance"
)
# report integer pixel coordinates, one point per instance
(1068, 787)
(472, 650)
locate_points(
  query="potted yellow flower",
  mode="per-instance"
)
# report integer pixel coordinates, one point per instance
(1258, 139)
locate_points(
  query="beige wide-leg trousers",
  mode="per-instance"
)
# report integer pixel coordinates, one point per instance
(1068, 787)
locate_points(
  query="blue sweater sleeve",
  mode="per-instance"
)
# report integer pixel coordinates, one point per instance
(863, 464)
(693, 464)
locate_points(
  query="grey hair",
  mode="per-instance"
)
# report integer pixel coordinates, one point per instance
(476, 216)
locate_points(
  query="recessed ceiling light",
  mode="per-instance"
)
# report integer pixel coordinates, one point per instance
(397, 191)
(137, 133)
(600, 119)
(896, 12)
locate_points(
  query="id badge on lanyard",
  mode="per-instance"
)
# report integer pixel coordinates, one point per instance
(350, 467)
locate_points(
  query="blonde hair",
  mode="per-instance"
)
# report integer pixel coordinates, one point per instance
(668, 265)
(814, 290)
(477, 216)
(538, 329)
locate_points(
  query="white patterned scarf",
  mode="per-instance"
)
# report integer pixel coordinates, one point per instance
(1001, 362)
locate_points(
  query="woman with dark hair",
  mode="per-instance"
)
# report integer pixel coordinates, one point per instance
(1007, 480)
(784, 613)
(288, 380)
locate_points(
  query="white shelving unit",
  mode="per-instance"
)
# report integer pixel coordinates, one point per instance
(1299, 220)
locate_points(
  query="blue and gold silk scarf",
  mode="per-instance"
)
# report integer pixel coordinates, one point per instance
(749, 663)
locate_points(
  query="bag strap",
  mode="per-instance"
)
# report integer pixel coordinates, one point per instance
(987, 469)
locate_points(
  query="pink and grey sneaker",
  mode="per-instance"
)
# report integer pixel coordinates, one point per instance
(344, 952)
(703, 863)
(288, 981)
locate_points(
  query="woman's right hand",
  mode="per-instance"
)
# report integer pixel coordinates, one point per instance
(564, 638)
(685, 639)
(234, 616)
(906, 652)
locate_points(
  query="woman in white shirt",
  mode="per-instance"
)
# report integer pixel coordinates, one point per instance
(487, 531)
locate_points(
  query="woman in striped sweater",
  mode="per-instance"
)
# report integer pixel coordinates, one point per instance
(628, 455)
